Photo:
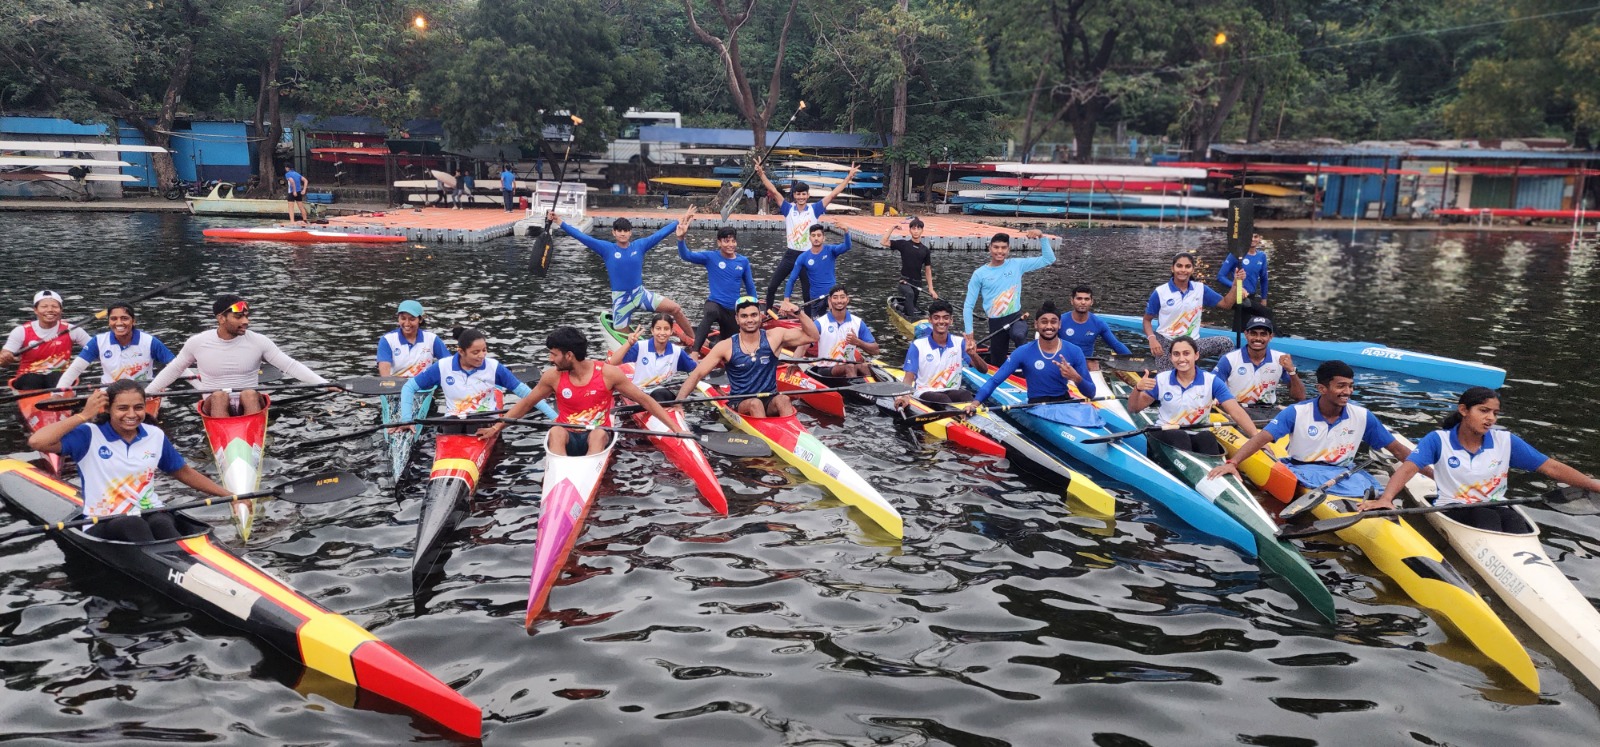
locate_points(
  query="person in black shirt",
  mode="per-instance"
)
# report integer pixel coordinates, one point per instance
(915, 261)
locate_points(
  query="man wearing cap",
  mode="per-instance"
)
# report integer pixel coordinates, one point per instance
(727, 273)
(999, 284)
(1254, 372)
(1048, 365)
(41, 348)
(624, 260)
(799, 215)
(229, 360)
(408, 348)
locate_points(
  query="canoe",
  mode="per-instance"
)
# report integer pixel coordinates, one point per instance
(1166, 173)
(458, 463)
(222, 200)
(570, 485)
(687, 456)
(67, 146)
(401, 445)
(1273, 190)
(1125, 212)
(1262, 469)
(909, 329)
(300, 236)
(1086, 185)
(794, 444)
(238, 444)
(1370, 355)
(206, 577)
(35, 418)
(1521, 573)
(1122, 463)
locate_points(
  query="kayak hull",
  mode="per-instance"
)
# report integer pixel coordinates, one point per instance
(35, 419)
(570, 486)
(238, 446)
(402, 444)
(686, 455)
(459, 461)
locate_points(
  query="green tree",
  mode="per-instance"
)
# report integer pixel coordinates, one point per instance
(741, 54)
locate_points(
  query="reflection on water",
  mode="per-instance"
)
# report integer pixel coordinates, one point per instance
(1006, 616)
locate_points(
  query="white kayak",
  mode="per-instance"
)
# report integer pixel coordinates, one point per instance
(570, 485)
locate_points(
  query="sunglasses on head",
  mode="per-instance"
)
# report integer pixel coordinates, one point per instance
(241, 308)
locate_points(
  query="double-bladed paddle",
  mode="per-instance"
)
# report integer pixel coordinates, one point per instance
(103, 313)
(733, 200)
(727, 444)
(1151, 429)
(1568, 500)
(364, 430)
(1315, 498)
(269, 372)
(543, 245)
(867, 389)
(362, 386)
(996, 333)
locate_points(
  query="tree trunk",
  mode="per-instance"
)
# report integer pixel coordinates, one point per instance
(268, 122)
(1257, 101)
(1085, 119)
(897, 126)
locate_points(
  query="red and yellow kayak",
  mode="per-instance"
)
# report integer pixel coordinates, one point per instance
(238, 444)
(458, 462)
(687, 456)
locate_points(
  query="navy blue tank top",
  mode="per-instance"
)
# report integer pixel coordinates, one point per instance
(749, 374)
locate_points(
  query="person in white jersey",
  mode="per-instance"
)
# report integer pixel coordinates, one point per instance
(1185, 395)
(934, 361)
(229, 360)
(472, 383)
(799, 214)
(1254, 372)
(117, 454)
(123, 352)
(1174, 308)
(843, 336)
(41, 348)
(408, 348)
(656, 360)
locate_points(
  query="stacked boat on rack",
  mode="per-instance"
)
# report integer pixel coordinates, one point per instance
(1080, 191)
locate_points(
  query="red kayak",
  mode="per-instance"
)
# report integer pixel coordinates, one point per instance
(37, 419)
(300, 236)
(794, 381)
(459, 460)
(687, 456)
(1102, 184)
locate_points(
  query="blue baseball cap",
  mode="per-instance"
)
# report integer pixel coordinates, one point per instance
(413, 308)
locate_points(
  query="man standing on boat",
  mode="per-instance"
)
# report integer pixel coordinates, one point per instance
(916, 261)
(1047, 364)
(999, 284)
(624, 261)
(41, 348)
(585, 393)
(799, 215)
(1254, 372)
(815, 268)
(752, 360)
(229, 360)
(727, 273)
(1082, 328)
(842, 336)
(934, 361)
(296, 195)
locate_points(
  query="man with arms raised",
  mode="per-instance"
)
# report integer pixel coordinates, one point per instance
(752, 360)
(799, 214)
(916, 261)
(41, 348)
(625, 268)
(229, 360)
(1254, 372)
(999, 284)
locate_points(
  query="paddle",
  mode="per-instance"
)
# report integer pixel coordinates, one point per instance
(103, 313)
(1568, 500)
(815, 360)
(929, 417)
(364, 430)
(1151, 429)
(997, 332)
(1131, 363)
(363, 386)
(1241, 228)
(868, 389)
(738, 194)
(268, 372)
(322, 488)
(544, 244)
(1315, 498)
(527, 373)
(727, 444)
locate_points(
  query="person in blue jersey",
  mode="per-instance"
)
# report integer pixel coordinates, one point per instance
(727, 273)
(999, 284)
(624, 260)
(1471, 459)
(408, 348)
(296, 193)
(916, 261)
(1047, 364)
(508, 185)
(843, 336)
(817, 267)
(1083, 328)
(934, 361)
(124, 352)
(1174, 308)
(1254, 264)
(656, 360)
(1324, 433)
(751, 358)
(117, 454)
(472, 384)
(1185, 395)
(799, 215)
(1254, 372)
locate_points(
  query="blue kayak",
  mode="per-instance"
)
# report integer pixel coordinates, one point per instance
(1122, 463)
(1370, 355)
(1012, 208)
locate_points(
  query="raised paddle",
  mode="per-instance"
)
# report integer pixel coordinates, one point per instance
(543, 245)
(1315, 498)
(103, 313)
(738, 194)
(1568, 500)
(1007, 328)
(363, 386)
(868, 389)
(1151, 429)
(364, 430)
(322, 488)
(727, 444)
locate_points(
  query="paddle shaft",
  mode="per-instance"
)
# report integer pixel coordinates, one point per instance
(1315, 498)
(1153, 429)
(763, 395)
(1006, 329)
(541, 263)
(612, 428)
(103, 313)
(1340, 522)
(364, 430)
(733, 199)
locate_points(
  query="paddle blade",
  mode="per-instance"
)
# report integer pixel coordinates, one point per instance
(57, 404)
(1574, 501)
(527, 373)
(1132, 363)
(1326, 526)
(1303, 504)
(542, 247)
(324, 488)
(923, 418)
(374, 386)
(734, 445)
(269, 373)
(875, 389)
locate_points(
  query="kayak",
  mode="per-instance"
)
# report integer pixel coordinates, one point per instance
(686, 455)
(1521, 573)
(1369, 355)
(400, 445)
(794, 379)
(206, 577)
(570, 486)
(909, 329)
(458, 463)
(35, 419)
(690, 182)
(794, 444)
(1085, 185)
(1230, 495)
(238, 444)
(1262, 469)
(1013, 208)
(300, 236)
(1122, 463)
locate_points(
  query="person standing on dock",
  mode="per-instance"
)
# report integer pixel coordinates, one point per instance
(999, 284)
(624, 261)
(508, 185)
(41, 348)
(727, 273)
(1254, 264)
(297, 193)
(815, 269)
(799, 214)
(916, 261)
(1174, 309)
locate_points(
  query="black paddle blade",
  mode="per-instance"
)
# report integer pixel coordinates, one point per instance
(542, 247)
(878, 389)
(734, 445)
(527, 373)
(1575, 501)
(268, 373)
(57, 404)
(374, 386)
(1303, 504)
(1132, 363)
(324, 488)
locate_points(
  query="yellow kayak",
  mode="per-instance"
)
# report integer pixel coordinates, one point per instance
(690, 182)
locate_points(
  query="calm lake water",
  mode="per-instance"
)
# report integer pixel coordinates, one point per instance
(1003, 618)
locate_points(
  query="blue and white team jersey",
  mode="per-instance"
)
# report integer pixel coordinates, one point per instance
(831, 334)
(936, 366)
(1177, 312)
(1474, 477)
(1252, 384)
(1187, 405)
(797, 223)
(1042, 372)
(1312, 439)
(136, 361)
(467, 392)
(118, 477)
(409, 358)
(653, 369)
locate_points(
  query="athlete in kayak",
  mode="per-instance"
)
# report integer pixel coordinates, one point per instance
(229, 360)
(624, 262)
(584, 395)
(656, 360)
(916, 261)
(119, 482)
(1254, 264)
(1175, 307)
(816, 268)
(1471, 458)
(999, 284)
(1083, 328)
(1186, 395)
(934, 361)
(1254, 372)
(408, 348)
(799, 214)
(727, 273)
(752, 360)
(471, 383)
(1324, 433)
(42, 347)
(842, 336)
(1046, 363)
(124, 352)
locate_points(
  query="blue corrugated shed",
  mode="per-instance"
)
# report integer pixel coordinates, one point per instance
(201, 151)
(746, 139)
(50, 126)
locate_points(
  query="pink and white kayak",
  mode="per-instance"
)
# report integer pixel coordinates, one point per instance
(570, 485)
(300, 236)
(687, 456)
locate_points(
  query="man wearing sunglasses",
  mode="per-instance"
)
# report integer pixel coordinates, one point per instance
(229, 360)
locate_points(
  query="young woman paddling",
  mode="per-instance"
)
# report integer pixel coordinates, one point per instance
(408, 348)
(1173, 310)
(1186, 395)
(1471, 458)
(41, 348)
(470, 381)
(118, 480)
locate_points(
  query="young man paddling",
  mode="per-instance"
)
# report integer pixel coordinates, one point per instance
(229, 360)
(124, 352)
(583, 390)
(624, 260)
(799, 214)
(915, 261)
(1082, 328)
(1253, 373)
(999, 284)
(42, 347)
(1047, 364)
(934, 361)
(816, 269)
(752, 360)
(843, 336)
(727, 273)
